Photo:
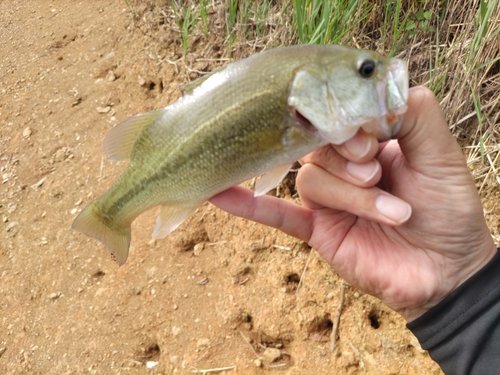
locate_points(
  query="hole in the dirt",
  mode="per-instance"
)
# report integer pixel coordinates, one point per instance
(322, 325)
(245, 317)
(99, 274)
(373, 318)
(148, 352)
(151, 85)
(152, 351)
(160, 86)
(292, 281)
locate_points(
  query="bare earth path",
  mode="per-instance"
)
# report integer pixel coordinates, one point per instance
(216, 293)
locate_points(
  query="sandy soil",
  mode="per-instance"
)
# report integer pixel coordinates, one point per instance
(219, 292)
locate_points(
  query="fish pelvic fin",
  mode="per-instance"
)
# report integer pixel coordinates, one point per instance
(116, 239)
(170, 218)
(120, 140)
(271, 179)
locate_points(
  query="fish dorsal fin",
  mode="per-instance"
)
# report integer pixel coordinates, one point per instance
(271, 179)
(188, 88)
(170, 218)
(120, 140)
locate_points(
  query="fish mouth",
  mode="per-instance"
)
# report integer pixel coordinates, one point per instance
(392, 97)
(303, 121)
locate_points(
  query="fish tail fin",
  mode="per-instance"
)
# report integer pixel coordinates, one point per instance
(116, 239)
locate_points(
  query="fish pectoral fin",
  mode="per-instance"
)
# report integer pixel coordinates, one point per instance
(120, 140)
(271, 179)
(170, 218)
(116, 239)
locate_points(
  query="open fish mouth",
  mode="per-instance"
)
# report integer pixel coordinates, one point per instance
(392, 97)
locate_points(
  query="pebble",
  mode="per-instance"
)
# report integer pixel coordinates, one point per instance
(348, 358)
(203, 343)
(330, 296)
(39, 183)
(11, 225)
(176, 330)
(2, 350)
(141, 81)
(198, 248)
(54, 295)
(103, 109)
(272, 354)
(60, 155)
(26, 132)
(151, 364)
(110, 77)
(257, 363)
(174, 359)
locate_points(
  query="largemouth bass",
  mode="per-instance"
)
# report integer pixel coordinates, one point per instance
(255, 115)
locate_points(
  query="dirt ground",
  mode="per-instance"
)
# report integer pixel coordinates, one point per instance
(219, 292)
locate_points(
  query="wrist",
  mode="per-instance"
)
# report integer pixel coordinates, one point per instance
(456, 279)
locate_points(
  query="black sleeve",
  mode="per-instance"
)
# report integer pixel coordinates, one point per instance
(462, 332)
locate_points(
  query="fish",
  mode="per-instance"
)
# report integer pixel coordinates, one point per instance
(254, 116)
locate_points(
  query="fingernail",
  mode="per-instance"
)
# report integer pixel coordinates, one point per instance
(393, 208)
(359, 145)
(363, 172)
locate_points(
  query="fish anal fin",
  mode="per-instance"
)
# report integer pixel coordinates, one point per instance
(116, 240)
(120, 140)
(271, 179)
(170, 218)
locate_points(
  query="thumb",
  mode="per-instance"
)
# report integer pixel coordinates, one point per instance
(425, 138)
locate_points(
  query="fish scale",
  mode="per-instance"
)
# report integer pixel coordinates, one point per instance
(255, 115)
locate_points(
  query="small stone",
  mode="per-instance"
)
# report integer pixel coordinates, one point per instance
(257, 363)
(103, 109)
(2, 350)
(198, 248)
(78, 202)
(54, 295)
(39, 183)
(110, 77)
(348, 358)
(60, 155)
(152, 243)
(11, 225)
(73, 211)
(272, 354)
(151, 364)
(26, 132)
(203, 344)
(330, 296)
(151, 272)
(175, 307)
(356, 295)
(176, 330)
(141, 81)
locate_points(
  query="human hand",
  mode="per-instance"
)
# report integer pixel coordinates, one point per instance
(356, 211)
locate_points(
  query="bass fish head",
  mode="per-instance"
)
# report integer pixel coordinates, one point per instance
(348, 90)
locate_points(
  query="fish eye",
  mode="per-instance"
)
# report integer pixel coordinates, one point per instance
(366, 68)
